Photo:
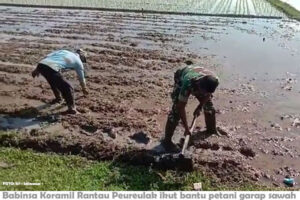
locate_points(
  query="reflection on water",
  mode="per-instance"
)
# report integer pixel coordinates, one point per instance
(264, 51)
(7, 123)
(258, 47)
(239, 7)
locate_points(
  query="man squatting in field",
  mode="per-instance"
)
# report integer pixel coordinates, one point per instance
(56, 62)
(199, 82)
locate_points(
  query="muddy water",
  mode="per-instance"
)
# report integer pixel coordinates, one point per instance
(8, 123)
(257, 48)
(260, 51)
(239, 7)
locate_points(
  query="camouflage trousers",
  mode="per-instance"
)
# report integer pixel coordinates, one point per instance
(174, 116)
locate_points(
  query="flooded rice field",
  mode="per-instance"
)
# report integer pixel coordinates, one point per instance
(132, 58)
(217, 7)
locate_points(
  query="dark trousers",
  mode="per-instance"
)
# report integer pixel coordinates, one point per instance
(59, 85)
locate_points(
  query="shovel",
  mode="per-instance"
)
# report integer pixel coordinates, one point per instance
(177, 160)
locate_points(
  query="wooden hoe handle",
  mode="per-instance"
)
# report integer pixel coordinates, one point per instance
(187, 137)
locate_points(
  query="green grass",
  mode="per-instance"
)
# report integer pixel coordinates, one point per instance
(6, 137)
(286, 8)
(57, 172)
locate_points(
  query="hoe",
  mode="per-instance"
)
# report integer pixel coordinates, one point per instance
(174, 161)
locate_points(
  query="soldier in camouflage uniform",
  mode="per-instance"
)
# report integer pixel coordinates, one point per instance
(199, 82)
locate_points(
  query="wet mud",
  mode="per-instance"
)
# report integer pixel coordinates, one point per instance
(131, 62)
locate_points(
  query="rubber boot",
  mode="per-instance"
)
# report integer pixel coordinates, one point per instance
(167, 141)
(210, 121)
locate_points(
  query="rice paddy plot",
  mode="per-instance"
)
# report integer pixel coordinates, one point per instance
(218, 7)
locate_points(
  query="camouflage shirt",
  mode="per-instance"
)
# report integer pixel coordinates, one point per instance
(188, 74)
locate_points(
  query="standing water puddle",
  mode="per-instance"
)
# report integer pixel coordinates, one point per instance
(10, 123)
(264, 52)
(16, 123)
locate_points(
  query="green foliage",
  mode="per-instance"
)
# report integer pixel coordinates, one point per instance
(286, 8)
(6, 137)
(56, 172)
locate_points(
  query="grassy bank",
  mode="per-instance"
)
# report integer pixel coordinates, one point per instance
(56, 172)
(286, 8)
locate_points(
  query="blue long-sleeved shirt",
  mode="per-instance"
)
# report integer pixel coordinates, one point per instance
(65, 60)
